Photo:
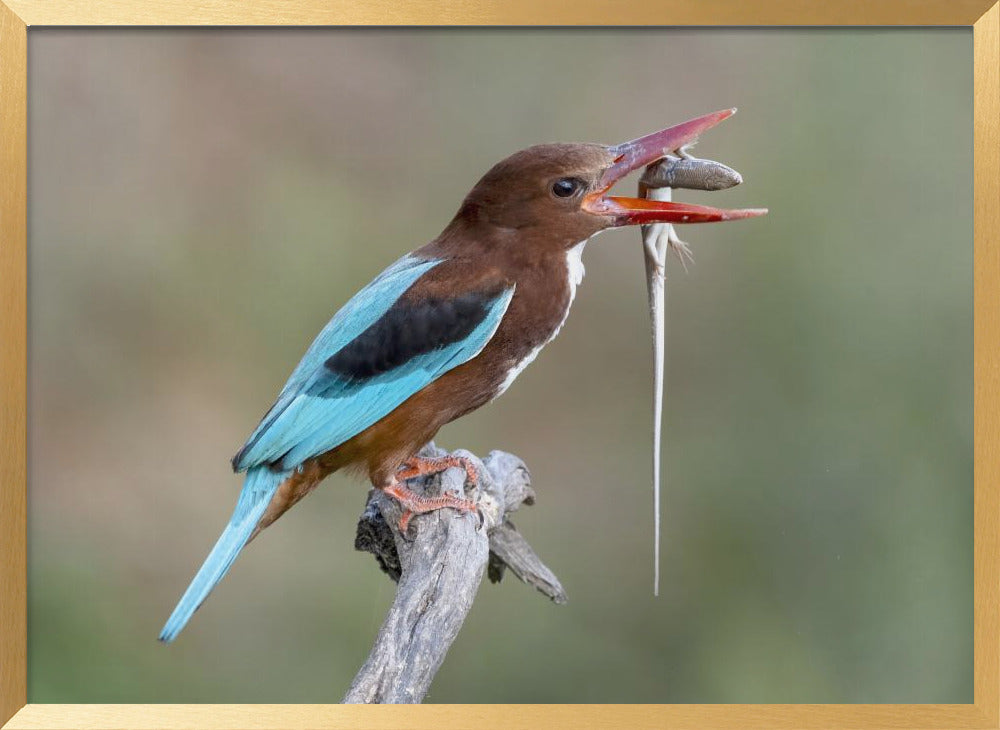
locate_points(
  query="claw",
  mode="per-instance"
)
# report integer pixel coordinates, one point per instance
(416, 504)
(681, 248)
(417, 466)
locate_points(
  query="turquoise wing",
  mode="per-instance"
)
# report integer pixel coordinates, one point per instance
(373, 355)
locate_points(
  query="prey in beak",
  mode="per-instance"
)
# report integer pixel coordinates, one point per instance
(644, 151)
(667, 165)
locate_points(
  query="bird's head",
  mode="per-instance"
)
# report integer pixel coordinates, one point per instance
(559, 192)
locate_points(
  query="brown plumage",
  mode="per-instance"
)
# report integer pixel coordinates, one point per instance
(512, 229)
(509, 231)
(511, 252)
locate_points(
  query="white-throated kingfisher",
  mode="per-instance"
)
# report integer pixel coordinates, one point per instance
(441, 332)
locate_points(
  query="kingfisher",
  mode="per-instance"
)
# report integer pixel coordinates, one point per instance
(439, 333)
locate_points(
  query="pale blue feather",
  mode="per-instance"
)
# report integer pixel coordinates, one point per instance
(341, 408)
(258, 488)
(362, 311)
(328, 409)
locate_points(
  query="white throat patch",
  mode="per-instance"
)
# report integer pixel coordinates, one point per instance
(575, 272)
(574, 263)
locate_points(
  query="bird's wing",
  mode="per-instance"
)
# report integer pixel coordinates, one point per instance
(377, 351)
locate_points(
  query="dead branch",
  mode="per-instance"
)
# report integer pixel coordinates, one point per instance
(438, 567)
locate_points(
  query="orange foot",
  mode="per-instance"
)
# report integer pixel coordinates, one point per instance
(418, 466)
(414, 503)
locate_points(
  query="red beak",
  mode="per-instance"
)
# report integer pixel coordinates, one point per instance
(638, 153)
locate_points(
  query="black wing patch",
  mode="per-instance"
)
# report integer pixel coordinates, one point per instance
(407, 330)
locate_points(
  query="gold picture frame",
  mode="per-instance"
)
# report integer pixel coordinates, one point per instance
(17, 16)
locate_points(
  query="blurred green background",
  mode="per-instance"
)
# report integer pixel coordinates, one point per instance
(201, 202)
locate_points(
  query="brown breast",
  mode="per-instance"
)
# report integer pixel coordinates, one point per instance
(544, 291)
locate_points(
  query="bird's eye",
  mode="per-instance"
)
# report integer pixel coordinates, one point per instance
(566, 186)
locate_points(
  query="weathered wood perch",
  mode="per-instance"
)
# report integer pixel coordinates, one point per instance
(438, 566)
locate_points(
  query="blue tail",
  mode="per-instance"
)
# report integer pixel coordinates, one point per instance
(260, 485)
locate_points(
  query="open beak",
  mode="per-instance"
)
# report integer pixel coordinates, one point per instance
(638, 153)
